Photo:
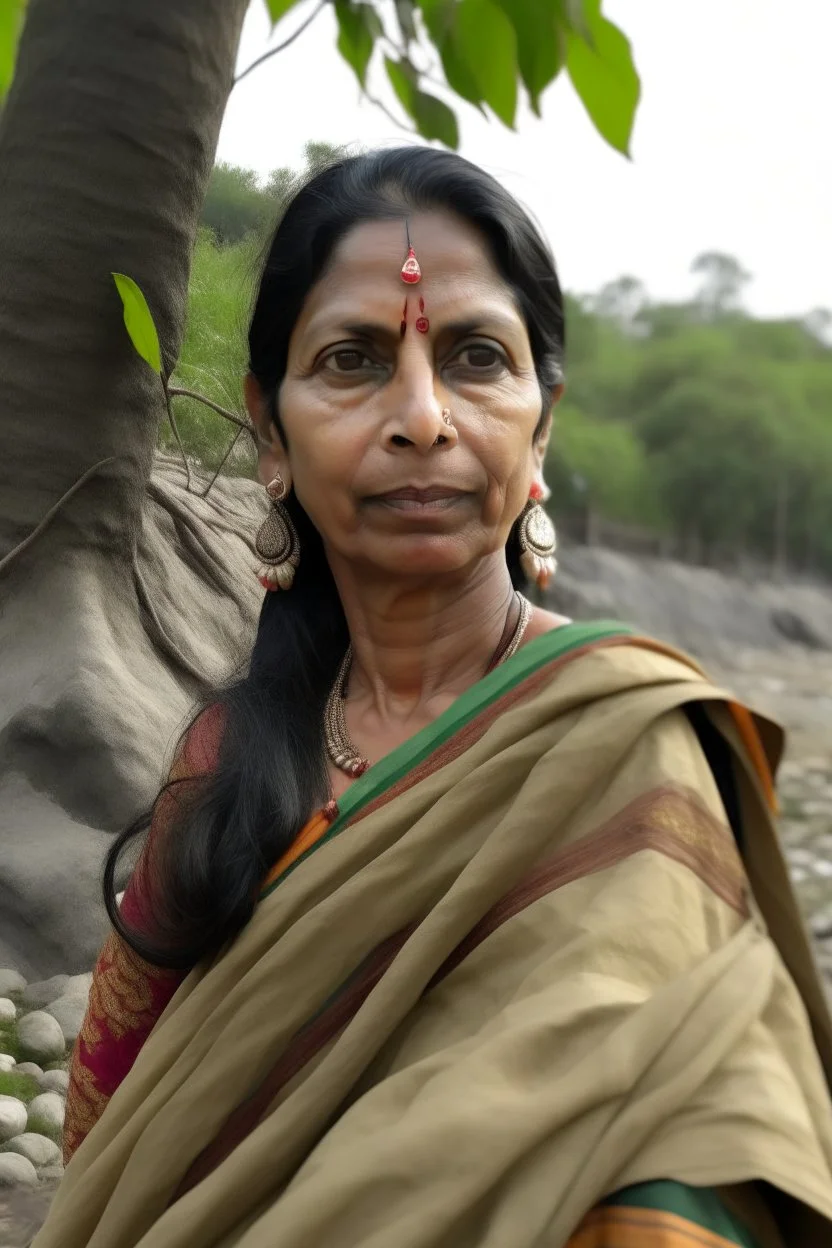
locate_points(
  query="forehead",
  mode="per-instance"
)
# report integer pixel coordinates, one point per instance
(365, 269)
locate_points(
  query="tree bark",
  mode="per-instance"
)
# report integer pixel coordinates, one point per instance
(118, 610)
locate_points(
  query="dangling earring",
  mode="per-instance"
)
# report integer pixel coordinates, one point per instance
(538, 541)
(277, 541)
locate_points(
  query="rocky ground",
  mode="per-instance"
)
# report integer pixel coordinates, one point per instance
(39, 1022)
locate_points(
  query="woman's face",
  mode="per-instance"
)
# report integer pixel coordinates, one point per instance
(390, 486)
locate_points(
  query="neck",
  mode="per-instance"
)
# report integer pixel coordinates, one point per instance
(413, 644)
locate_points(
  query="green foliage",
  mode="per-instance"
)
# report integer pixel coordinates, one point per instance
(235, 203)
(139, 321)
(488, 50)
(12, 15)
(24, 1087)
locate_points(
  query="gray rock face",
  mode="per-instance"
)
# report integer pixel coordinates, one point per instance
(13, 1118)
(38, 1149)
(17, 1171)
(11, 982)
(46, 1110)
(40, 1036)
(68, 1012)
(8, 1011)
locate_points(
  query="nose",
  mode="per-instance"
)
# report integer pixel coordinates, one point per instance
(418, 418)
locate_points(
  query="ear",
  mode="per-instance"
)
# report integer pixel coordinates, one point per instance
(541, 442)
(271, 454)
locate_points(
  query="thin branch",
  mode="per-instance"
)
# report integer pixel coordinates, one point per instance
(52, 512)
(286, 42)
(180, 391)
(401, 125)
(221, 465)
(176, 434)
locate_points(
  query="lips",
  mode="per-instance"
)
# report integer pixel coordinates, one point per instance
(420, 500)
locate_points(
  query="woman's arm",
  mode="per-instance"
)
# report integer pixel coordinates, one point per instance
(128, 994)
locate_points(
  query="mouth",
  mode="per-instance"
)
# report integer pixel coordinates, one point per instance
(413, 499)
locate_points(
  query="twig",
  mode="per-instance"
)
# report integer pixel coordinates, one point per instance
(52, 512)
(391, 116)
(179, 442)
(221, 465)
(286, 42)
(180, 391)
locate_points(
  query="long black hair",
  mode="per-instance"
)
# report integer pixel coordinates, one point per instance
(222, 834)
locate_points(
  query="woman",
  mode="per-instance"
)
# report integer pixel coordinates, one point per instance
(457, 923)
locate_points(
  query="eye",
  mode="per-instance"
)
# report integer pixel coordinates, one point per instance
(483, 358)
(348, 360)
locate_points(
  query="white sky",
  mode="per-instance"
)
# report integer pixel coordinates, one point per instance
(732, 148)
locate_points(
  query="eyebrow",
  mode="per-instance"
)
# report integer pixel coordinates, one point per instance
(459, 329)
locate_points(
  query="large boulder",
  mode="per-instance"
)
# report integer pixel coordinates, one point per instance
(86, 750)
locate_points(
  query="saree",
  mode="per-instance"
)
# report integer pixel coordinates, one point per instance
(526, 967)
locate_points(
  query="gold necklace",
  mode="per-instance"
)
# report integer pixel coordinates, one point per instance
(340, 748)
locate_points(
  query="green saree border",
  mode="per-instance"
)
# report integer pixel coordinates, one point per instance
(390, 769)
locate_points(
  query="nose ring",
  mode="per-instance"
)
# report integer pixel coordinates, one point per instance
(446, 417)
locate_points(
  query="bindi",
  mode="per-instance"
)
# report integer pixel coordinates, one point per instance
(411, 274)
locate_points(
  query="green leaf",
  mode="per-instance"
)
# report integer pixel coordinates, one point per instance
(279, 8)
(403, 82)
(139, 321)
(487, 41)
(11, 23)
(541, 43)
(357, 24)
(605, 78)
(439, 20)
(435, 120)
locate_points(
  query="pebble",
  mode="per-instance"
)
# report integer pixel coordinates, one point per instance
(6, 1062)
(40, 1036)
(11, 982)
(8, 1010)
(47, 1110)
(39, 1149)
(29, 1068)
(69, 1011)
(13, 1117)
(44, 992)
(17, 1171)
(55, 1081)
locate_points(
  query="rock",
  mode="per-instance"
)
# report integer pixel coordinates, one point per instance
(40, 1150)
(17, 1171)
(8, 1011)
(44, 992)
(6, 1062)
(69, 1013)
(41, 1037)
(52, 1174)
(55, 1081)
(11, 983)
(47, 1110)
(13, 1117)
(28, 1068)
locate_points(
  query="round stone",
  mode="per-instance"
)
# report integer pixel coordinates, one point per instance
(47, 1110)
(69, 1011)
(11, 982)
(13, 1117)
(17, 1171)
(8, 1011)
(38, 1149)
(55, 1081)
(6, 1062)
(41, 1037)
(44, 991)
(28, 1068)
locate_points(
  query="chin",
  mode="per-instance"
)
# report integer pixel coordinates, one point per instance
(423, 559)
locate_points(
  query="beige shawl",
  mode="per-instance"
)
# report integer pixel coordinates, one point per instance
(528, 972)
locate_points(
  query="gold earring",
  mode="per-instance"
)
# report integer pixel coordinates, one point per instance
(277, 542)
(538, 543)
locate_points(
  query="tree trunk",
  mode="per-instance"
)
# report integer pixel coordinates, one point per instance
(116, 613)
